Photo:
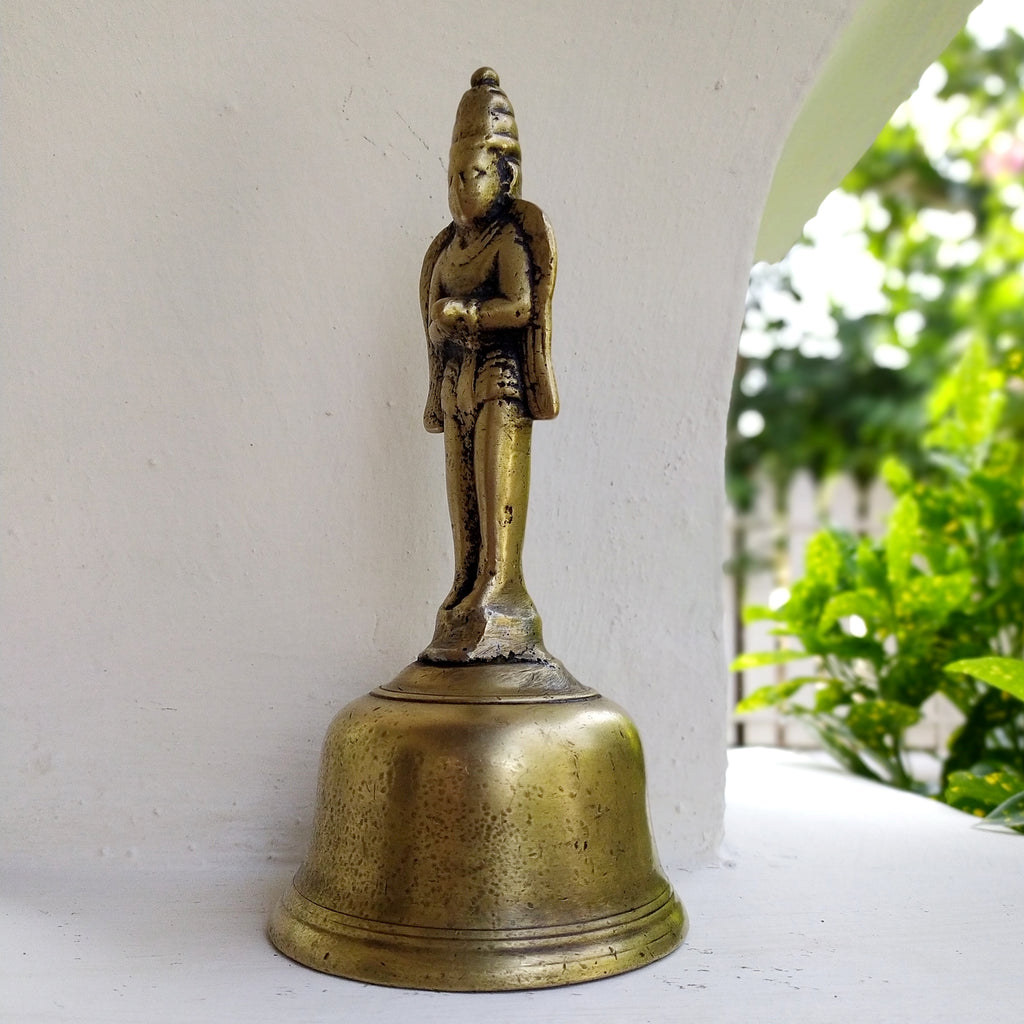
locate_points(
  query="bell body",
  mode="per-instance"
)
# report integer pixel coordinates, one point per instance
(480, 828)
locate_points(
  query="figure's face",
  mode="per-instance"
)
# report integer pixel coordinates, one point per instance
(474, 184)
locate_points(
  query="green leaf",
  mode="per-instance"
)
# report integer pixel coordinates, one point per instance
(759, 612)
(968, 405)
(823, 560)
(870, 570)
(769, 696)
(880, 724)
(1002, 489)
(845, 648)
(830, 696)
(934, 596)
(866, 602)
(896, 475)
(836, 739)
(992, 720)
(1005, 673)
(1009, 814)
(976, 400)
(910, 678)
(758, 659)
(901, 539)
(979, 793)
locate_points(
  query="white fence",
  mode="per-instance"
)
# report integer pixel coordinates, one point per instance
(778, 546)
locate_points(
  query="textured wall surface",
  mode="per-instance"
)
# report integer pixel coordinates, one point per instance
(221, 516)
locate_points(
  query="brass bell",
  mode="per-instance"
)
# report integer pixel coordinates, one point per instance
(478, 828)
(481, 820)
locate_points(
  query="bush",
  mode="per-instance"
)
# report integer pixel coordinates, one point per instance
(888, 619)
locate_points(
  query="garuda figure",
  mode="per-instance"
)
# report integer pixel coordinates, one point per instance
(485, 292)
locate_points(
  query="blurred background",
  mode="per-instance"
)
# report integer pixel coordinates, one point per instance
(845, 373)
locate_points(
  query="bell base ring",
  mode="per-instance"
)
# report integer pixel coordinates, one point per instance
(475, 960)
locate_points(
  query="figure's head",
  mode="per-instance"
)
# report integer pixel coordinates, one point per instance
(484, 162)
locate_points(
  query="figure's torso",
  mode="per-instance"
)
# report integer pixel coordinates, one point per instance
(469, 269)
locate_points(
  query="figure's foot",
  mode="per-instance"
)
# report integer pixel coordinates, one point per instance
(449, 615)
(500, 596)
(456, 594)
(492, 623)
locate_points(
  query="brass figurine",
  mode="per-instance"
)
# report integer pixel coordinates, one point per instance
(481, 820)
(486, 291)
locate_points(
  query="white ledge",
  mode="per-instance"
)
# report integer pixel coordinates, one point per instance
(841, 900)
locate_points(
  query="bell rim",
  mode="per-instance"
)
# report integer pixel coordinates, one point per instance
(476, 959)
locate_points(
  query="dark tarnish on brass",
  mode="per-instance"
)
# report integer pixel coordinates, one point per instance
(481, 820)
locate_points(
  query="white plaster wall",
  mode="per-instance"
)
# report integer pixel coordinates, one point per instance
(221, 516)
(875, 64)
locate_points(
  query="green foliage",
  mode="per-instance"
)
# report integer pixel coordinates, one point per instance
(977, 793)
(936, 605)
(1005, 673)
(996, 796)
(993, 793)
(945, 219)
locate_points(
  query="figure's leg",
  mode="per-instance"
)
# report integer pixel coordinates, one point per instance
(496, 618)
(502, 472)
(450, 642)
(462, 506)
